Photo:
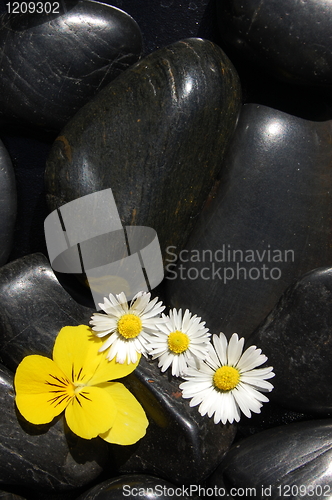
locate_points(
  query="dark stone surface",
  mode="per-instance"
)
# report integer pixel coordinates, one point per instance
(180, 445)
(168, 21)
(288, 37)
(33, 309)
(156, 136)
(4, 495)
(43, 457)
(274, 197)
(7, 204)
(297, 338)
(132, 486)
(282, 458)
(53, 64)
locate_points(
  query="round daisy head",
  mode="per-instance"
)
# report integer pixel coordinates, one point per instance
(127, 328)
(179, 339)
(228, 381)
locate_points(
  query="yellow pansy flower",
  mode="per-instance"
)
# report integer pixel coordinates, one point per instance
(79, 381)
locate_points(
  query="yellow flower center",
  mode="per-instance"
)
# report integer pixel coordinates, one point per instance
(129, 326)
(226, 378)
(178, 342)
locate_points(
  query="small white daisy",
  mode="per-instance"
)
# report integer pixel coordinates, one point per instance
(228, 381)
(128, 327)
(179, 340)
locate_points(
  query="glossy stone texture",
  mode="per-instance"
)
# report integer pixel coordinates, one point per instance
(290, 38)
(45, 457)
(34, 307)
(53, 64)
(4, 495)
(156, 136)
(180, 445)
(133, 486)
(297, 338)
(290, 461)
(268, 222)
(8, 204)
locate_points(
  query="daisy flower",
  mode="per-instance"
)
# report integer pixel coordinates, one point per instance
(228, 381)
(127, 328)
(179, 340)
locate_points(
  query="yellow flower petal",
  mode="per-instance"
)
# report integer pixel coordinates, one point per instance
(111, 370)
(42, 389)
(91, 412)
(130, 423)
(76, 352)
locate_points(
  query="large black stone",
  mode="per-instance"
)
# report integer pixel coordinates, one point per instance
(53, 64)
(180, 445)
(288, 37)
(297, 338)
(7, 204)
(291, 461)
(132, 486)
(4, 495)
(33, 309)
(273, 208)
(156, 136)
(45, 457)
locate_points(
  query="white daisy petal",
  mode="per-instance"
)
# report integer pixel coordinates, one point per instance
(234, 350)
(220, 345)
(212, 358)
(186, 320)
(207, 404)
(228, 382)
(251, 358)
(257, 383)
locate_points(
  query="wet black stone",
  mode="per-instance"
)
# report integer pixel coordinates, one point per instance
(297, 338)
(274, 198)
(4, 495)
(180, 445)
(132, 486)
(289, 38)
(53, 64)
(156, 136)
(44, 457)
(34, 308)
(7, 204)
(291, 461)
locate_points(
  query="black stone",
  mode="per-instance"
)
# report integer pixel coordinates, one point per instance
(132, 486)
(44, 457)
(7, 204)
(4, 495)
(291, 461)
(180, 445)
(156, 136)
(275, 199)
(53, 64)
(289, 38)
(34, 308)
(297, 338)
